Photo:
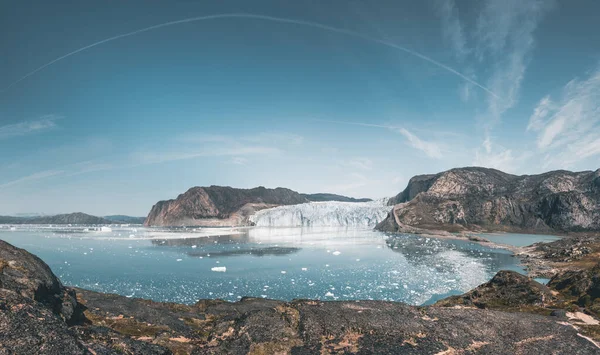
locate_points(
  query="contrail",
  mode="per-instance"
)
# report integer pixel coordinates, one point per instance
(265, 18)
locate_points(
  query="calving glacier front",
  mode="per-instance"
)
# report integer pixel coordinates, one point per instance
(323, 214)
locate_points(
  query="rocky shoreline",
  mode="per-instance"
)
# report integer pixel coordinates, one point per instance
(510, 314)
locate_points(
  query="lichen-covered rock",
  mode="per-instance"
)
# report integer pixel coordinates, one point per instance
(583, 286)
(487, 199)
(507, 290)
(27, 275)
(262, 326)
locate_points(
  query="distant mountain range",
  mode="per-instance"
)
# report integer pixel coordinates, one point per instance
(71, 218)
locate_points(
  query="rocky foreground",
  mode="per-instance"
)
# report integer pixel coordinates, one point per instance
(481, 199)
(509, 315)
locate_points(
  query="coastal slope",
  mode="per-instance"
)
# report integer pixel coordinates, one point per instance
(481, 199)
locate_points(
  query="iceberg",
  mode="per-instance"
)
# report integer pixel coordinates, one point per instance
(323, 214)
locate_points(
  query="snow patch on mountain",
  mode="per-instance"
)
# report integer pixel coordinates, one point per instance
(323, 214)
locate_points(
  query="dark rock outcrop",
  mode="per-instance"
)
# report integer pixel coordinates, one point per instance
(70, 218)
(28, 276)
(506, 290)
(487, 199)
(261, 326)
(218, 206)
(582, 286)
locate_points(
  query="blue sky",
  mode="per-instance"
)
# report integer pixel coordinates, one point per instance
(350, 97)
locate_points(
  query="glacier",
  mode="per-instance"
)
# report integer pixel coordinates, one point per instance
(323, 214)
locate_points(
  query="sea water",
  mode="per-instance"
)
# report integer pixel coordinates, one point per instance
(184, 265)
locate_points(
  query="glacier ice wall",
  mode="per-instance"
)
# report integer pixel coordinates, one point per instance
(323, 214)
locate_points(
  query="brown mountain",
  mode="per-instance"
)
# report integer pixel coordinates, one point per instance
(219, 206)
(486, 199)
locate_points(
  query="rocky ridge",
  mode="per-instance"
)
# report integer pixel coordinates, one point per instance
(481, 199)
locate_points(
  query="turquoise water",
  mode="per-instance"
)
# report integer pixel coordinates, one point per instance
(518, 240)
(279, 263)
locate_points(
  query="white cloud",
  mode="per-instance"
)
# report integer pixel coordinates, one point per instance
(568, 129)
(431, 149)
(43, 123)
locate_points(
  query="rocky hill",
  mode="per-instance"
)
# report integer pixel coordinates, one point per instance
(38, 315)
(71, 218)
(218, 206)
(486, 199)
(228, 206)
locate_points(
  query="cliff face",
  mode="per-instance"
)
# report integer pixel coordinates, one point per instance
(218, 206)
(479, 198)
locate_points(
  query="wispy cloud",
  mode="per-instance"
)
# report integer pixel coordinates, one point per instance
(239, 161)
(505, 39)
(431, 149)
(33, 177)
(452, 29)
(41, 124)
(239, 148)
(63, 171)
(186, 154)
(569, 127)
(359, 163)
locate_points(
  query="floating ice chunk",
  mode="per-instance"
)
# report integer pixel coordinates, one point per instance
(132, 236)
(304, 269)
(194, 246)
(283, 272)
(179, 259)
(326, 265)
(263, 296)
(13, 228)
(329, 294)
(336, 253)
(357, 259)
(219, 269)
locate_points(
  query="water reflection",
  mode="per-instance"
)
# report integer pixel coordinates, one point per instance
(275, 251)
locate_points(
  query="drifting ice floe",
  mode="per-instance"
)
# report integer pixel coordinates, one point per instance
(219, 269)
(323, 214)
